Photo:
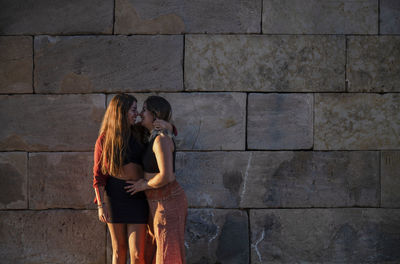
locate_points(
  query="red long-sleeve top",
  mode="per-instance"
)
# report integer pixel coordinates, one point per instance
(99, 179)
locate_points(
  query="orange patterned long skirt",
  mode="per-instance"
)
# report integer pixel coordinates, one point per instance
(168, 211)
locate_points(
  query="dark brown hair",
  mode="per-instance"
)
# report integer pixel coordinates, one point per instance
(159, 106)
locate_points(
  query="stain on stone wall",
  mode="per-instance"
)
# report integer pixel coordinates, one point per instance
(10, 177)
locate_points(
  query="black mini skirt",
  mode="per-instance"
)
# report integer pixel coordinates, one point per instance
(123, 207)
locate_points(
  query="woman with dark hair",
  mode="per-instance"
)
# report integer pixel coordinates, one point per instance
(167, 200)
(118, 157)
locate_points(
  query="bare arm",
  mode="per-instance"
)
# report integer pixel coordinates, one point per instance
(163, 149)
(99, 191)
(102, 208)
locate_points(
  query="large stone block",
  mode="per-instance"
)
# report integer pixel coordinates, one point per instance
(213, 179)
(16, 65)
(390, 17)
(311, 179)
(356, 121)
(189, 16)
(279, 179)
(13, 180)
(217, 236)
(209, 121)
(280, 121)
(373, 64)
(108, 64)
(35, 17)
(390, 178)
(206, 121)
(325, 236)
(264, 63)
(52, 236)
(50, 122)
(320, 17)
(61, 180)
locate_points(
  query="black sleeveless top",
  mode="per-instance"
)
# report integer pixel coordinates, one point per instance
(149, 158)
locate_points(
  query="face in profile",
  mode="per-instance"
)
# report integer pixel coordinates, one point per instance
(147, 117)
(132, 113)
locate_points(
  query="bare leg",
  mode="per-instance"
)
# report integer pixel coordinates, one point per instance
(119, 242)
(136, 239)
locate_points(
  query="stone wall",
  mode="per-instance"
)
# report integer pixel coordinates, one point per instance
(288, 114)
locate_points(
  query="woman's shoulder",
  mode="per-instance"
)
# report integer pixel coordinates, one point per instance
(162, 140)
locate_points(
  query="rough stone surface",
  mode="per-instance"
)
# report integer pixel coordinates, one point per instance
(357, 121)
(108, 64)
(325, 236)
(35, 17)
(311, 179)
(53, 236)
(211, 121)
(217, 236)
(16, 65)
(206, 121)
(50, 122)
(320, 17)
(212, 179)
(13, 180)
(264, 63)
(390, 17)
(280, 121)
(373, 64)
(390, 178)
(187, 16)
(279, 179)
(61, 180)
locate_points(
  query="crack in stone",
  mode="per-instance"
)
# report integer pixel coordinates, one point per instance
(215, 236)
(255, 246)
(246, 174)
(216, 233)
